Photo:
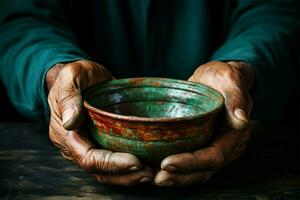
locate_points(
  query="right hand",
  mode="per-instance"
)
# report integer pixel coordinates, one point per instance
(65, 83)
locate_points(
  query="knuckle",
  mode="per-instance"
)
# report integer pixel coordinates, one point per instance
(65, 96)
(58, 143)
(66, 154)
(68, 69)
(70, 75)
(54, 139)
(87, 162)
(96, 162)
(227, 74)
(105, 163)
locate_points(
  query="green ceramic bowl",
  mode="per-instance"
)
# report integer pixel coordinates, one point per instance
(151, 117)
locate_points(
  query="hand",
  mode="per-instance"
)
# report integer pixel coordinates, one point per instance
(233, 80)
(65, 83)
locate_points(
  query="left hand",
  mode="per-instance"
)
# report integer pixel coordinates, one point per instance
(233, 80)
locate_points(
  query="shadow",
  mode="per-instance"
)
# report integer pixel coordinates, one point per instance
(7, 111)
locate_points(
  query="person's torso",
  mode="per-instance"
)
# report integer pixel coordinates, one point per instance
(169, 38)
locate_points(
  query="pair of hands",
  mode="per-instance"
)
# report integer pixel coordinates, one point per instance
(65, 83)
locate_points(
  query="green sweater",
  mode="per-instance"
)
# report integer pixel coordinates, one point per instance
(166, 38)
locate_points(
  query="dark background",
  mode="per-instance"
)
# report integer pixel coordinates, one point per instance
(7, 112)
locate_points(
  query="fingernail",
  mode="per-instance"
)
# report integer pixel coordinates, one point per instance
(170, 168)
(241, 114)
(134, 168)
(145, 179)
(67, 115)
(165, 183)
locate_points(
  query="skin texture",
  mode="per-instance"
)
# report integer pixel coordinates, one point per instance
(66, 81)
(233, 80)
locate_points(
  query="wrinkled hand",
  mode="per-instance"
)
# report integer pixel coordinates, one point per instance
(233, 80)
(65, 83)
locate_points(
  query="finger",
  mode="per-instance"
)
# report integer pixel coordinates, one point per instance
(232, 144)
(208, 158)
(142, 176)
(165, 178)
(226, 147)
(66, 154)
(69, 99)
(237, 109)
(72, 79)
(228, 79)
(98, 160)
(70, 105)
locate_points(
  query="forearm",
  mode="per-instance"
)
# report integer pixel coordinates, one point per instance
(264, 35)
(30, 45)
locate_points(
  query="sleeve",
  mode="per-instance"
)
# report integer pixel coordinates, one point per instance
(265, 34)
(34, 36)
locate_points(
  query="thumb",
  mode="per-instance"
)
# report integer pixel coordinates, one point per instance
(237, 109)
(71, 109)
(71, 80)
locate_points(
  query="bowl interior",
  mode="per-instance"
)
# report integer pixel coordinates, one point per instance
(153, 98)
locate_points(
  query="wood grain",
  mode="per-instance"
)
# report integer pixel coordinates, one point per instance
(32, 168)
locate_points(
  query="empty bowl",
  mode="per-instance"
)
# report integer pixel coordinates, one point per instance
(151, 117)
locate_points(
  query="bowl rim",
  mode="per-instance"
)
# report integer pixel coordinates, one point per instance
(99, 111)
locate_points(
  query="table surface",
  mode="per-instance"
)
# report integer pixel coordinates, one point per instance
(32, 168)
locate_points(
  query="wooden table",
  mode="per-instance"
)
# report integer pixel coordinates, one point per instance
(32, 168)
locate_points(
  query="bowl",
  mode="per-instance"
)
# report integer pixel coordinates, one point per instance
(151, 117)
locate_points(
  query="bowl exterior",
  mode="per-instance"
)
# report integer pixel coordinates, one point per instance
(151, 141)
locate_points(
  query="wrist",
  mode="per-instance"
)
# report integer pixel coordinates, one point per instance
(52, 75)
